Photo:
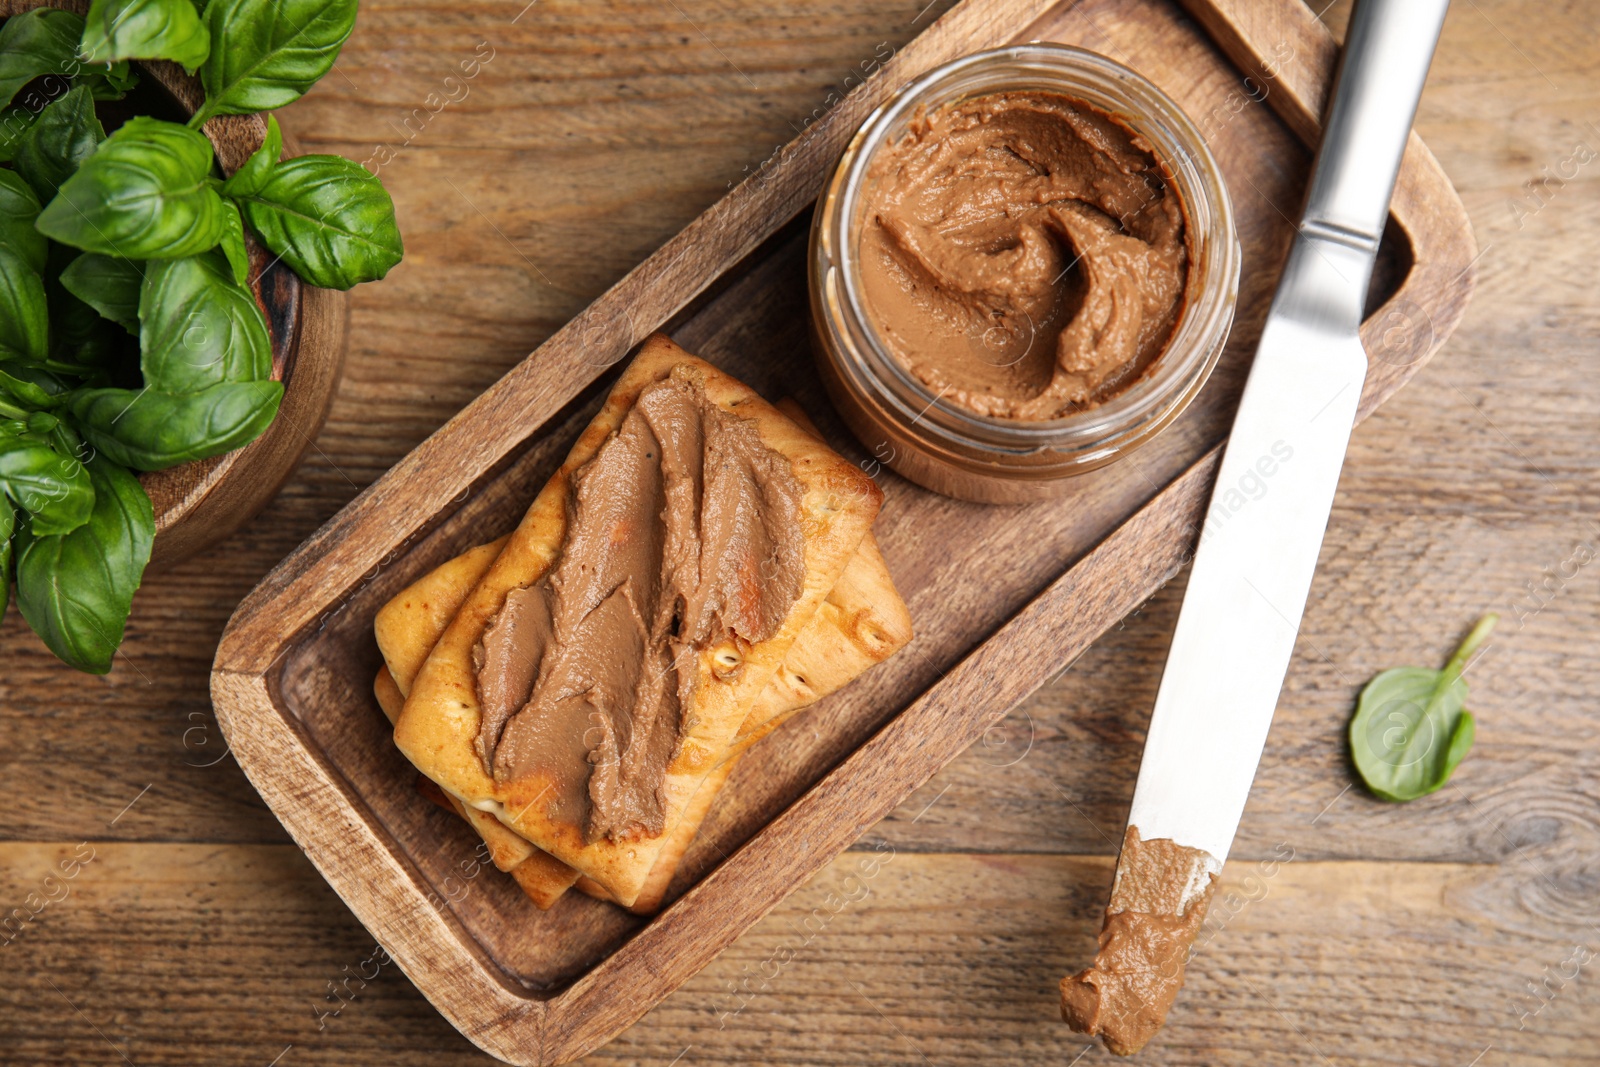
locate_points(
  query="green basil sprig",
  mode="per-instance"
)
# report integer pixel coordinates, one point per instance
(143, 194)
(325, 216)
(265, 54)
(145, 29)
(136, 234)
(1411, 728)
(76, 589)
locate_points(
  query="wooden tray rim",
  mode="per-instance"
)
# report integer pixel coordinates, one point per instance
(377, 881)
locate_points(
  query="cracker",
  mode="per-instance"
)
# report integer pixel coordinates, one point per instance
(439, 721)
(506, 849)
(862, 622)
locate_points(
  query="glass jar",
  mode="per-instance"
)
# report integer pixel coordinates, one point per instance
(945, 447)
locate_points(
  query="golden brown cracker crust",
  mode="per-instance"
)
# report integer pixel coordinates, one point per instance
(426, 606)
(387, 690)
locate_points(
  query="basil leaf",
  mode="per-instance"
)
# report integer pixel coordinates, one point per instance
(14, 123)
(253, 175)
(267, 53)
(18, 208)
(145, 29)
(328, 218)
(198, 328)
(233, 245)
(65, 134)
(26, 392)
(107, 284)
(142, 195)
(149, 430)
(52, 488)
(35, 43)
(111, 83)
(52, 385)
(1410, 729)
(24, 315)
(8, 528)
(76, 589)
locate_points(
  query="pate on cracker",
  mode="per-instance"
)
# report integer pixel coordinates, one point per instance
(732, 624)
(862, 622)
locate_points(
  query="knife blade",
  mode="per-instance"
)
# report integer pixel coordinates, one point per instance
(1261, 537)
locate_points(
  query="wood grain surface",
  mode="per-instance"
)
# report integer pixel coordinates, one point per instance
(1458, 929)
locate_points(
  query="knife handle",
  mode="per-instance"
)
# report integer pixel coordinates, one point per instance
(1387, 50)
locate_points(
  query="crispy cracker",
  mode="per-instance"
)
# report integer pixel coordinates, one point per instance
(425, 608)
(862, 622)
(506, 849)
(440, 718)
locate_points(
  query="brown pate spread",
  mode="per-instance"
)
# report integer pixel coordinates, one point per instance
(1021, 254)
(683, 534)
(1157, 905)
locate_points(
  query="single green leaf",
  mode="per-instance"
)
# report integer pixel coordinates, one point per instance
(233, 245)
(26, 393)
(76, 589)
(48, 383)
(1411, 729)
(329, 219)
(66, 133)
(254, 173)
(18, 208)
(35, 43)
(24, 314)
(145, 29)
(53, 489)
(142, 195)
(14, 124)
(265, 54)
(199, 328)
(110, 81)
(150, 430)
(107, 284)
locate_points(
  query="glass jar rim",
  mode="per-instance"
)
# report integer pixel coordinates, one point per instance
(1184, 158)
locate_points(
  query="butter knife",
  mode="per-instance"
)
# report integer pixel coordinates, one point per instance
(1253, 568)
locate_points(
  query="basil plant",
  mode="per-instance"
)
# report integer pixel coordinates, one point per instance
(130, 339)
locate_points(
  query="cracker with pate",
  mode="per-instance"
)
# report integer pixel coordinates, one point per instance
(440, 725)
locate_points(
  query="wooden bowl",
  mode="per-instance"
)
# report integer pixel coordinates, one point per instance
(197, 504)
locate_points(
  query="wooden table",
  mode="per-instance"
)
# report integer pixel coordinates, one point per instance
(1461, 929)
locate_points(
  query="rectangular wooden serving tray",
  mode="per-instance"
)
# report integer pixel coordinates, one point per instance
(1002, 597)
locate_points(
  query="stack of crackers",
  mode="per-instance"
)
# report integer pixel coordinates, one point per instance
(847, 618)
